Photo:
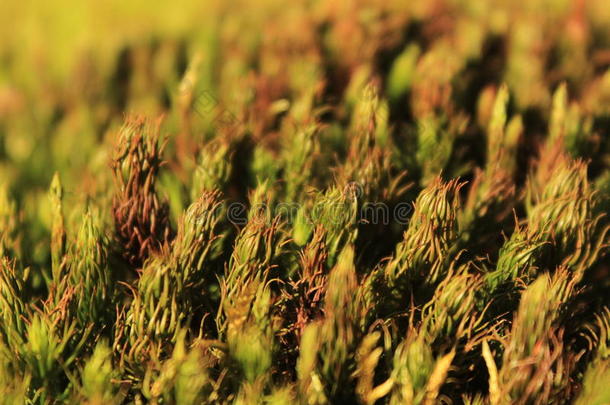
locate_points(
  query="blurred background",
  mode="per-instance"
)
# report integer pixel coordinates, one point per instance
(70, 72)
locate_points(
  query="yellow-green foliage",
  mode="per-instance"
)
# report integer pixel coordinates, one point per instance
(311, 202)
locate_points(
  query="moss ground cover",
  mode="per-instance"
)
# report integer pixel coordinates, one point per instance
(314, 202)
